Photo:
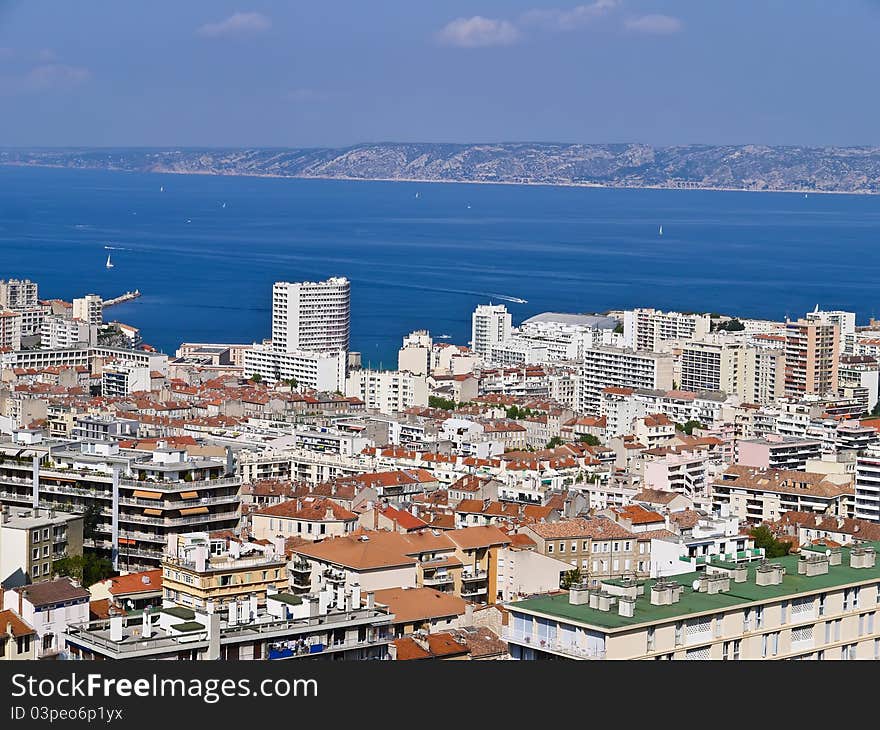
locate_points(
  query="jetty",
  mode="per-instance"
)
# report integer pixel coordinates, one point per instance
(127, 297)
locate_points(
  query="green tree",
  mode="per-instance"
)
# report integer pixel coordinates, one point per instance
(589, 439)
(512, 413)
(570, 578)
(256, 378)
(87, 568)
(435, 401)
(554, 442)
(875, 411)
(731, 325)
(91, 519)
(618, 329)
(773, 548)
(688, 427)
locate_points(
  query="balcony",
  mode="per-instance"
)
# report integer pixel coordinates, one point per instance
(437, 579)
(479, 575)
(473, 591)
(334, 576)
(554, 646)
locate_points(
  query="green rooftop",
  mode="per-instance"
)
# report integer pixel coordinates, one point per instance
(185, 614)
(694, 602)
(188, 626)
(287, 598)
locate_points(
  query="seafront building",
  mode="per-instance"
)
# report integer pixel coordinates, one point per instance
(647, 329)
(490, 326)
(812, 357)
(616, 367)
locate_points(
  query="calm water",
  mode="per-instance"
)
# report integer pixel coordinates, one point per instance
(206, 270)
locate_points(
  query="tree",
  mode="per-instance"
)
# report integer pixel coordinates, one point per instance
(87, 568)
(773, 548)
(256, 378)
(688, 427)
(618, 329)
(589, 439)
(435, 401)
(875, 411)
(731, 325)
(554, 442)
(91, 519)
(570, 578)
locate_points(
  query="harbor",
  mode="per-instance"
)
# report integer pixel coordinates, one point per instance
(127, 297)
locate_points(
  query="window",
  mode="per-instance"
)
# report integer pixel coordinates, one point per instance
(585, 564)
(562, 547)
(719, 625)
(616, 547)
(616, 565)
(627, 546)
(747, 620)
(876, 648)
(45, 568)
(861, 624)
(855, 596)
(35, 571)
(774, 643)
(764, 638)
(679, 633)
(847, 599)
(759, 617)
(586, 546)
(651, 638)
(24, 644)
(323, 528)
(35, 536)
(47, 641)
(549, 548)
(45, 551)
(627, 564)
(783, 613)
(725, 651)
(46, 534)
(821, 604)
(736, 643)
(595, 566)
(837, 629)
(36, 554)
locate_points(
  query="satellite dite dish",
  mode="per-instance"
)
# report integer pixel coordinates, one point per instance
(696, 585)
(828, 553)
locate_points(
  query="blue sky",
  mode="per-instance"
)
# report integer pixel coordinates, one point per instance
(337, 72)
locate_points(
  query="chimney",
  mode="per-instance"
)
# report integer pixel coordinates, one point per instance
(278, 543)
(578, 595)
(252, 600)
(232, 614)
(371, 600)
(116, 628)
(626, 606)
(355, 596)
(147, 629)
(201, 558)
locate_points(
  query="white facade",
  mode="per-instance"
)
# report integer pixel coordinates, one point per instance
(415, 355)
(57, 332)
(319, 370)
(89, 308)
(18, 294)
(10, 330)
(123, 379)
(846, 326)
(490, 325)
(388, 391)
(605, 367)
(311, 316)
(645, 329)
(867, 486)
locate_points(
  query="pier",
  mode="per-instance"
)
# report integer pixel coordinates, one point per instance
(127, 297)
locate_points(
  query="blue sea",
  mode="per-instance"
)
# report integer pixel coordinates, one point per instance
(424, 255)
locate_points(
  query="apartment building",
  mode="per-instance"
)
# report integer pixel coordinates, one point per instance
(10, 330)
(867, 487)
(18, 294)
(90, 309)
(614, 367)
(143, 496)
(846, 326)
(17, 637)
(49, 607)
(57, 333)
(201, 569)
(415, 354)
(731, 366)
(328, 624)
(311, 316)
(598, 547)
(309, 518)
(646, 329)
(777, 452)
(388, 391)
(812, 357)
(122, 379)
(809, 606)
(490, 325)
(32, 539)
(764, 495)
(324, 371)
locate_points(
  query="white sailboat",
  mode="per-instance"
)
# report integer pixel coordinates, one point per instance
(161, 188)
(109, 263)
(661, 231)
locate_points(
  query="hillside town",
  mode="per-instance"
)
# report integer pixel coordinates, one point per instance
(636, 484)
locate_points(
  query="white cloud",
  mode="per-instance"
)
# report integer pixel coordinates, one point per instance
(55, 76)
(658, 24)
(569, 19)
(478, 32)
(236, 24)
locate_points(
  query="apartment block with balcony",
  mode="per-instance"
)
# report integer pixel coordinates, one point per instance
(812, 357)
(142, 496)
(49, 607)
(821, 604)
(646, 329)
(328, 624)
(614, 367)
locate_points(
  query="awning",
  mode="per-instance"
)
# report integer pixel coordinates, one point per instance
(147, 495)
(194, 511)
(149, 511)
(189, 495)
(126, 541)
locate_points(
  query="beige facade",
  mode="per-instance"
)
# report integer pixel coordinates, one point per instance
(812, 357)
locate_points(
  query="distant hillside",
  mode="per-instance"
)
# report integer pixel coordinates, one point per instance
(744, 167)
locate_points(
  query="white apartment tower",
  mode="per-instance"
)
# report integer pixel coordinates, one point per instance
(89, 308)
(490, 325)
(311, 316)
(846, 326)
(646, 329)
(868, 485)
(18, 294)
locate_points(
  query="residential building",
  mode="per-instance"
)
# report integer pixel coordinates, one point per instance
(50, 607)
(10, 330)
(807, 606)
(812, 357)
(32, 539)
(647, 329)
(777, 452)
(846, 327)
(867, 489)
(124, 378)
(415, 355)
(90, 309)
(614, 367)
(490, 326)
(311, 316)
(324, 371)
(388, 391)
(309, 518)
(59, 333)
(18, 294)
(17, 637)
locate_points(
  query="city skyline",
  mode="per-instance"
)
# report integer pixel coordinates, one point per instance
(267, 74)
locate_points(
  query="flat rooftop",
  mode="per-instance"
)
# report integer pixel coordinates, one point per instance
(694, 602)
(596, 321)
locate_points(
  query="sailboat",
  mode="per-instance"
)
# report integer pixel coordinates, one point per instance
(418, 195)
(661, 230)
(161, 188)
(109, 263)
